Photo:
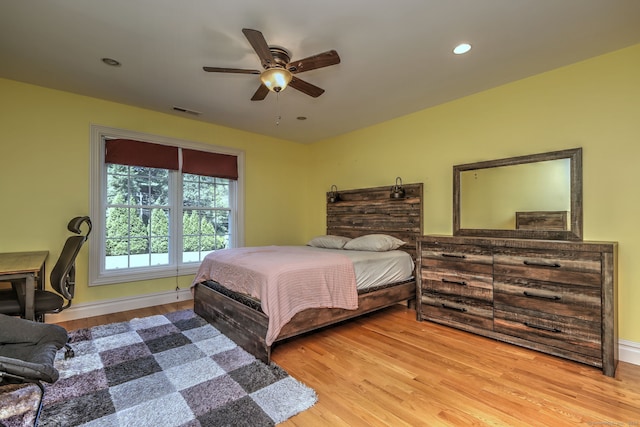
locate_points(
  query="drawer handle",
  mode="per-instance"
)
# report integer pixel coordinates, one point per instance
(542, 264)
(551, 297)
(542, 328)
(450, 307)
(454, 256)
(455, 282)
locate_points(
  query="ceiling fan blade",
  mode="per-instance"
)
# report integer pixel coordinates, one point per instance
(320, 60)
(230, 70)
(261, 93)
(306, 87)
(259, 44)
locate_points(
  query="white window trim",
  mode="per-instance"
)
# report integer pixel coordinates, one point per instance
(97, 276)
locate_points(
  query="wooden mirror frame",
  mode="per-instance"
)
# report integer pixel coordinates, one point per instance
(575, 232)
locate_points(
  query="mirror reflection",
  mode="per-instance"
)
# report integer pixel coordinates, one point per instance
(538, 195)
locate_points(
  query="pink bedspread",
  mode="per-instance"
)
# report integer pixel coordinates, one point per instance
(286, 279)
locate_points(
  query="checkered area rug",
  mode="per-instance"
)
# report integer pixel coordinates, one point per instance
(166, 370)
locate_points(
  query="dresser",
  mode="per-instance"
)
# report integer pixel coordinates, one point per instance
(557, 297)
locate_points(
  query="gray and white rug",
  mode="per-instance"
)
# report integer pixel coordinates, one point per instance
(166, 370)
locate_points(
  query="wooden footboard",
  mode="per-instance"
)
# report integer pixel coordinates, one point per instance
(245, 326)
(248, 327)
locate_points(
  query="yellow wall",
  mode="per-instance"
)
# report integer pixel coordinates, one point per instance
(44, 177)
(44, 143)
(594, 104)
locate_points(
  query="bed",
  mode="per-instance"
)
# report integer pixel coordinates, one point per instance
(360, 212)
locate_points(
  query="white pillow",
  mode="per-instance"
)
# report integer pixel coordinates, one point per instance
(328, 242)
(374, 243)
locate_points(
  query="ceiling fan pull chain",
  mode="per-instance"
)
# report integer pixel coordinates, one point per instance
(278, 117)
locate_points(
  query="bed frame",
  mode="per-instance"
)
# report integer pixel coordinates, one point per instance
(358, 212)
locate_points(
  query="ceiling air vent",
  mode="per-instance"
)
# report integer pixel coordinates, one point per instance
(184, 110)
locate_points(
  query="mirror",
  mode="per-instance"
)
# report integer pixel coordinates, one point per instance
(528, 197)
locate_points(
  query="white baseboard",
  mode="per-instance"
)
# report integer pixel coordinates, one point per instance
(98, 308)
(629, 351)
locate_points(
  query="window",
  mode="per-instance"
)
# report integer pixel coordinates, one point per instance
(160, 205)
(137, 216)
(206, 212)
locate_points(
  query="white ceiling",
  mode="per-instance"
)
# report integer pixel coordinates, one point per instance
(396, 55)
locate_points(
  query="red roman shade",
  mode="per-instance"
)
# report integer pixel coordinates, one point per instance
(209, 164)
(137, 153)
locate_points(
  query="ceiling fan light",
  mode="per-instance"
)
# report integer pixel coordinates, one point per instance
(276, 79)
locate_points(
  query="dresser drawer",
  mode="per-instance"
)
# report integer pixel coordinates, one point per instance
(573, 301)
(477, 286)
(462, 258)
(456, 311)
(579, 268)
(551, 331)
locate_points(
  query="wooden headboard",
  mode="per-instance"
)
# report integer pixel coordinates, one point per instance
(372, 210)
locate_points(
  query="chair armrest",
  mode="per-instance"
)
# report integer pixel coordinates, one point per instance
(27, 370)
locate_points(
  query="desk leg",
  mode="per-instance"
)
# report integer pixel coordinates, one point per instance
(29, 297)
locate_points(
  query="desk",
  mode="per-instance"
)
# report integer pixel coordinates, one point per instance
(26, 269)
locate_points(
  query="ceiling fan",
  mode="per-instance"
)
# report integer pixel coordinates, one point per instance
(279, 70)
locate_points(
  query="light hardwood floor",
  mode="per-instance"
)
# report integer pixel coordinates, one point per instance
(387, 369)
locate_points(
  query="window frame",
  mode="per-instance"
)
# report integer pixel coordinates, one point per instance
(97, 199)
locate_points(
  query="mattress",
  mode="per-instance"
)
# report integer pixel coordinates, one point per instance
(374, 269)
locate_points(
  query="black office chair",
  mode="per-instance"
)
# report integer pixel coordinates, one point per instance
(63, 279)
(27, 353)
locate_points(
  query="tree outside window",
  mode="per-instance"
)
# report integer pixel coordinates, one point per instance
(138, 216)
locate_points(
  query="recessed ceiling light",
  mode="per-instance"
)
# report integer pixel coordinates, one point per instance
(301, 118)
(111, 62)
(462, 48)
